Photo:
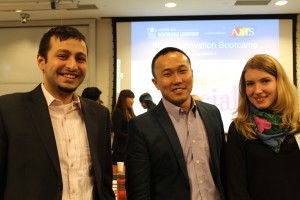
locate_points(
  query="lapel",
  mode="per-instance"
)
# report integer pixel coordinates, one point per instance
(214, 130)
(91, 125)
(208, 123)
(92, 129)
(169, 130)
(38, 109)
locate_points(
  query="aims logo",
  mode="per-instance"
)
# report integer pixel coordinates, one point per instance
(242, 32)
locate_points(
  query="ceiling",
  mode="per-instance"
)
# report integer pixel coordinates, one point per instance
(132, 8)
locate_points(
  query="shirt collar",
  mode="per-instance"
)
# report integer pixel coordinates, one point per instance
(176, 111)
(55, 102)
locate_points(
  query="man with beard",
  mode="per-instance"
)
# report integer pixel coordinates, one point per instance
(53, 143)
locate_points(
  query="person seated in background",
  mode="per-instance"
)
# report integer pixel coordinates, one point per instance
(122, 113)
(262, 151)
(92, 93)
(146, 101)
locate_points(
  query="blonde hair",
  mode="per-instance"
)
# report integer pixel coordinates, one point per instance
(196, 97)
(286, 103)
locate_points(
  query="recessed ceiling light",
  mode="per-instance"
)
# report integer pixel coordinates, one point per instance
(170, 5)
(281, 3)
(18, 11)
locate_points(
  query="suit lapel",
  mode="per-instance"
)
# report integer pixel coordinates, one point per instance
(208, 123)
(90, 123)
(167, 125)
(38, 109)
(92, 129)
(210, 128)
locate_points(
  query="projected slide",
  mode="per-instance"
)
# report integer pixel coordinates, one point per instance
(218, 50)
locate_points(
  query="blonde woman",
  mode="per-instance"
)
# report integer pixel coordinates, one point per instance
(263, 157)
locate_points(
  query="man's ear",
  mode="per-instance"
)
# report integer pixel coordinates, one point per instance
(41, 62)
(154, 81)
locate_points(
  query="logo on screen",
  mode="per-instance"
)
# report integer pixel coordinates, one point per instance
(151, 32)
(242, 32)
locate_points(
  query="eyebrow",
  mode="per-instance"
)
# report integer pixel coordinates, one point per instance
(179, 66)
(166, 69)
(266, 77)
(182, 66)
(68, 52)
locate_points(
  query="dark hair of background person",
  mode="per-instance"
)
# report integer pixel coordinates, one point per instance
(92, 93)
(147, 99)
(62, 33)
(121, 104)
(164, 52)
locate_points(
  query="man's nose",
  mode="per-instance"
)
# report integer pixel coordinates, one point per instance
(177, 78)
(71, 64)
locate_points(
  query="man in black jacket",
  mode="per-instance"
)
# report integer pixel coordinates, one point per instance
(54, 144)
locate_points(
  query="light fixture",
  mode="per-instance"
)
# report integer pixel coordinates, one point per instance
(281, 3)
(24, 17)
(170, 5)
(252, 2)
(31, 5)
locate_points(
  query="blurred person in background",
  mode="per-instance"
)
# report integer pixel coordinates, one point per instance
(196, 97)
(92, 93)
(146, 101)
(121, 115)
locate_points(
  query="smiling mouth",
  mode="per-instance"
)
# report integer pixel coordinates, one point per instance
(260, 99)
(178, 89)
(69, 76)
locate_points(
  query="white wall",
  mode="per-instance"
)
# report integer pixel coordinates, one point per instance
(105, 60)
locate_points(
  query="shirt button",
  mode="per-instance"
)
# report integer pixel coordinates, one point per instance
(194, 141)
(59, 187)
(198, 161)
(201, 181)
(72, 165)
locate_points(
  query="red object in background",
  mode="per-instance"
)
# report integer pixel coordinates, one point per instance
(121, 192)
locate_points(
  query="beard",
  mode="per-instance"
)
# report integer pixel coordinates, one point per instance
(67, 90)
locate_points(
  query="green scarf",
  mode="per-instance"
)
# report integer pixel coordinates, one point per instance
(269, 128)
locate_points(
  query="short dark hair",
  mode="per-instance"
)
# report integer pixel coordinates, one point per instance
(164, 51)
(145, 96)
(60, 32)
(92, 93)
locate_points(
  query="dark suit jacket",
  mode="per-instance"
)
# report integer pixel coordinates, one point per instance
(156, 166)
(120, 127)
(29, 164)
